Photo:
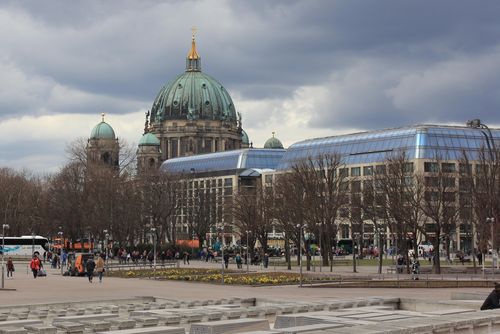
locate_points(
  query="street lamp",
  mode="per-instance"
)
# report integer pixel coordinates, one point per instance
(491, 221)
(153, 232)
(320, 227)
(301, 229)
(4, 226)
(248, 259)
(60, 234)
(221, 230)
(490, 142)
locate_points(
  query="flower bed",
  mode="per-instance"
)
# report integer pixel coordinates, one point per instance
(215, 276)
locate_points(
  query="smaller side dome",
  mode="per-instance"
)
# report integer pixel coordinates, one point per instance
(244, 138)
(149, 139)
(273, 143)
(102, 131)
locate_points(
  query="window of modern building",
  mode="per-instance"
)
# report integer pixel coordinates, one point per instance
(431, 167)
(447, 167)
(408, 167)
(355, 186)
(367, 170)
(344, 172)
(228, 182)
(448, 182)
(465, 168)
(380, 169)
(268, 179)
(356, 171)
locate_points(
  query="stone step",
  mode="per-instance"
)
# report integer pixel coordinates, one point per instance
(230, 326)
(123, 323)
(70, 327)
(42, 329)
(77, 318)
(19, 323)
(149, 330)
(13, 330)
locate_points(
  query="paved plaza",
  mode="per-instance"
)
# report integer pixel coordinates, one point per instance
(57, 304)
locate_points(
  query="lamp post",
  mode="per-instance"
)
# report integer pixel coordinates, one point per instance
(490, 142)
(221, 230)
(60, 234)
(301, 230)
(106, 238)
(380, 232)
(320, 227)
(153, 232)
(248, 259)
(4, 226)
(491, 221)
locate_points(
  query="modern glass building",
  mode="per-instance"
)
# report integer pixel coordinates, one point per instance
(418, 142)
(223, 173)
(225, 163)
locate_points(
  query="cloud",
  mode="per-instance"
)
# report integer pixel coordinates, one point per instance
(301, 68)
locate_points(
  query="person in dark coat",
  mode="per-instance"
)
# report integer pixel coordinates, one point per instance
(493, 300)
(89, 267)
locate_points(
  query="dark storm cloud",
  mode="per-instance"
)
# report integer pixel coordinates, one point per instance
(366, 64)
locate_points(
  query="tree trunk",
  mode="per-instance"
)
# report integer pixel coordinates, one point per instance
(380, 256)
(353, 256)
(287, 254)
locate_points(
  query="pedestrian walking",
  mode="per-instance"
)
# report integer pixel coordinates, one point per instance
(89, 267)
(99, 267)
(10, 268)
(226, 260)
(415, 269)
(265, 260)
(238, 261)
(35, 265)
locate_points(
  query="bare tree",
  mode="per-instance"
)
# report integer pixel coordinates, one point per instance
(159, 192)
(439, 204)
(324, 179)
(252, 212)
(289, 212)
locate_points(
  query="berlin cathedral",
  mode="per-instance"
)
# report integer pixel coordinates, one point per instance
(192, 114)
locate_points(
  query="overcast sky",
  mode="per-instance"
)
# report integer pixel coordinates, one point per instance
(303, 69)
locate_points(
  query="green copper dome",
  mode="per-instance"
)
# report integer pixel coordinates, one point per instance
(244, 138)
(193, 95)
(149, 139)
(273, 143)
(102, 131)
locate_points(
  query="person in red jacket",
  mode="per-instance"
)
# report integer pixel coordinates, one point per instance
(10, 268)
(35, 265)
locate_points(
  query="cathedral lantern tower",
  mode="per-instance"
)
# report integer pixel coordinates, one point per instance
(102, 146)
(148, 151)
(194, 114)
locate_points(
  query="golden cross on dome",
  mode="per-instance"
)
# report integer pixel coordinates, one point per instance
(193, 31)
(273, 134)
(102, 115)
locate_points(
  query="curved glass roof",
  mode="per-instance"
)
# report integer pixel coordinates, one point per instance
(225, 161)
(419, 141)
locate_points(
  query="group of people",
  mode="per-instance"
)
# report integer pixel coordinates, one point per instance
(97, 266)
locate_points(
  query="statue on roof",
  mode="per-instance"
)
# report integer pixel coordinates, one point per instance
(146, 124)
